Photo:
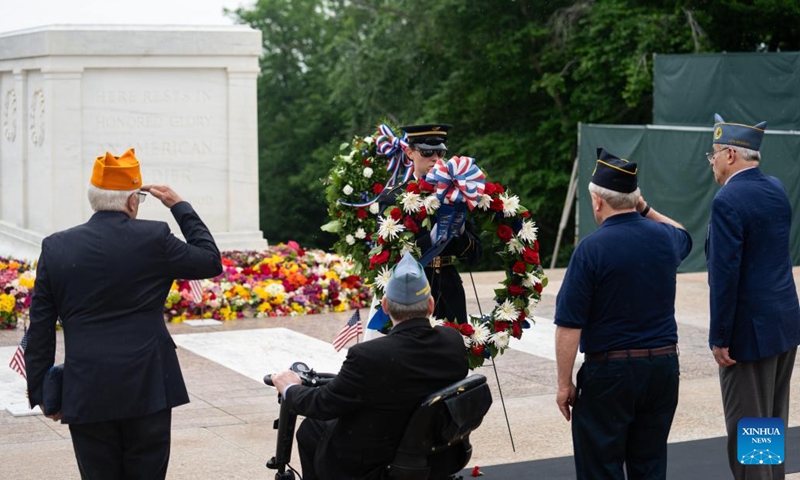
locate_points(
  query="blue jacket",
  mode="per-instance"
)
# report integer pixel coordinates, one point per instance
(754, 307)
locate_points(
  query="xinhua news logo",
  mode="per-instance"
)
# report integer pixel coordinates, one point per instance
(760, 441)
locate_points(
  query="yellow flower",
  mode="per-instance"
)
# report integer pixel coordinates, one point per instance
(340, 308)
(7, 302)
(264, 307)
(297, 307)
(330, 274)
(3, 266)
(13, 265)
(27, 282)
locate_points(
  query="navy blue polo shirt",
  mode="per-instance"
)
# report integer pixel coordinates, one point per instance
(619, 287)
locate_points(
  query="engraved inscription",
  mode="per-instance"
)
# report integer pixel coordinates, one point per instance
(37, 117)
(10, 115)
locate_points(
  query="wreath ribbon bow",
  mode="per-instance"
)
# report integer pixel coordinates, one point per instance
(457, 180)
(391, 146)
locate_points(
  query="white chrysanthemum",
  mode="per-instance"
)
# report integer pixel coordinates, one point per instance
(350, 239)
(369, 140)
(374, 208)
(484, 202)
(532, 302)
(275, 289)
(368, 172)
(347, 190)
(383, 277)
(361, 234)
(389, 229)
(436, 322)
(411, 202)
(515, 246)
(431, 203)
(531, 280)
(481, 334)
(406, 247)
(510, 204)
(506, 311)
(500, 340)
(528, 231)
(467, 341)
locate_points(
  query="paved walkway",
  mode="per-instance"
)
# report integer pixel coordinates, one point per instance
(226, 430)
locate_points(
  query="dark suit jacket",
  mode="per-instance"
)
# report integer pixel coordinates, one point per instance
(754, 307)
(107, 281)
(380, 384)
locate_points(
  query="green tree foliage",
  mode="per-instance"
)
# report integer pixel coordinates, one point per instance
(514, 77)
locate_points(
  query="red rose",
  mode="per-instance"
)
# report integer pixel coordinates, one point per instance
(538, 287)
(500, 326)
(519, 267)
(412, 187)
(530, 256)
(476, 472)
(496, 205)
(451, 325)
(366, 162)
(377, 188)
(516, 330)
(410, 224)
(504, 231)
(381, 241)
(516, 290)
(396, 214)
(499, 188)
(466, 329)
(423, 212)
(521, 316)
(477, 350)
(425, 186)
(525, 214)
(489, 189)
(361, 213)
(339, 214)
(536, 245)
(379, 259)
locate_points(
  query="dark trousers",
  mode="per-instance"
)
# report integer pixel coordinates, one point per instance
(622, 415)
(309, 437)
(131, 448)
(447, 290)
(752, 390)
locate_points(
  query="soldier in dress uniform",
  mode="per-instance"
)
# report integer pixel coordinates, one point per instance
(426, 144)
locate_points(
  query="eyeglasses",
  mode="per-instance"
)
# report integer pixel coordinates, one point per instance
(710, 155)
(142, 196)
(427, 153)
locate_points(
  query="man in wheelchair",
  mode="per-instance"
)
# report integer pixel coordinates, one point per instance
(356, 422)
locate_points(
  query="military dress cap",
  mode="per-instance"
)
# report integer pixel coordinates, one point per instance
(737, 134)
(429, 136)
(614, 173)
(407, 283)
(117, 173)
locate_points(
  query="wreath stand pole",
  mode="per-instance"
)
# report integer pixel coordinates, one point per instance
(494, 367)
(571, 190)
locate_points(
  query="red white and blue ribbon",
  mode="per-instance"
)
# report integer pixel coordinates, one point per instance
(457, 180)
(390, 145)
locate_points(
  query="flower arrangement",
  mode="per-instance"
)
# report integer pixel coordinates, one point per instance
(282, 280)
(384, 239)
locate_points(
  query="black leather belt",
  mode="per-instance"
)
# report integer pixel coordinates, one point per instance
(442, 261)
(633, 353)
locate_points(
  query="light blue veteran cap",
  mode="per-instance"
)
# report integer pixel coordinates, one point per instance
(407, 283)
(737, 134)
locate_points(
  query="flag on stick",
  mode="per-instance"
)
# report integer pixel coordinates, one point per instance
(351, 330)
(18, 360)
(197, 290)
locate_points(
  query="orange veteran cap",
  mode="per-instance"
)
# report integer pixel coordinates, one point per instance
(117, 173)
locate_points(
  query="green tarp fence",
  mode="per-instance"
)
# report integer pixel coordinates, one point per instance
(675, 177)
(742, 87)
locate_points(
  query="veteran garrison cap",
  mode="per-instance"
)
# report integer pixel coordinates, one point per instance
(614, 173)
(737, 134)
(117, 173)
(428, 136)
(407, 283)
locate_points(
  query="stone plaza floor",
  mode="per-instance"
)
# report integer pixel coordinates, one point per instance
(226, 431)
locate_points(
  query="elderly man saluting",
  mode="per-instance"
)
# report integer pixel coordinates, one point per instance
(618, 302)
(107, 281)
(356, 422)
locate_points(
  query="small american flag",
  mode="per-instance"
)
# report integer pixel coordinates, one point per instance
(197, 290)
(18, 360)
(351, 330)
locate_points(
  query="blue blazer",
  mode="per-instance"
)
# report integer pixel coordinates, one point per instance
(754, 307)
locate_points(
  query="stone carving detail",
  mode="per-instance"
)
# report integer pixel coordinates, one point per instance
(37, 117)
(10, 115)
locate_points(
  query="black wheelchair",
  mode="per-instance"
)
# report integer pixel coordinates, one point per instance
(435, 445)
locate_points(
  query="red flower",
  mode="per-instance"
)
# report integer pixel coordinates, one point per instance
(477, 350)
(466, 329)
(519, 267)
(538, 287)
(423, 212)
(516, 330)
(425, 186)
(516, 290)
(377, 188)
(496, 205)
(379, 259)
(500, 326)
(410, 224)
(499, 188)
(361, 213)
(366, 162)
(489, 189)
(536, 245)
(412, 187)
(381, 241)
(451, 325)
(476, 472)
(396, 214)
(530, 256)
(525, 214)
(339, 214)
(504, 232)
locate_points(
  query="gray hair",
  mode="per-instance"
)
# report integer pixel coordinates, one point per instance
(746, 153)
(400, 312)
(109, 200)
(616, 200)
